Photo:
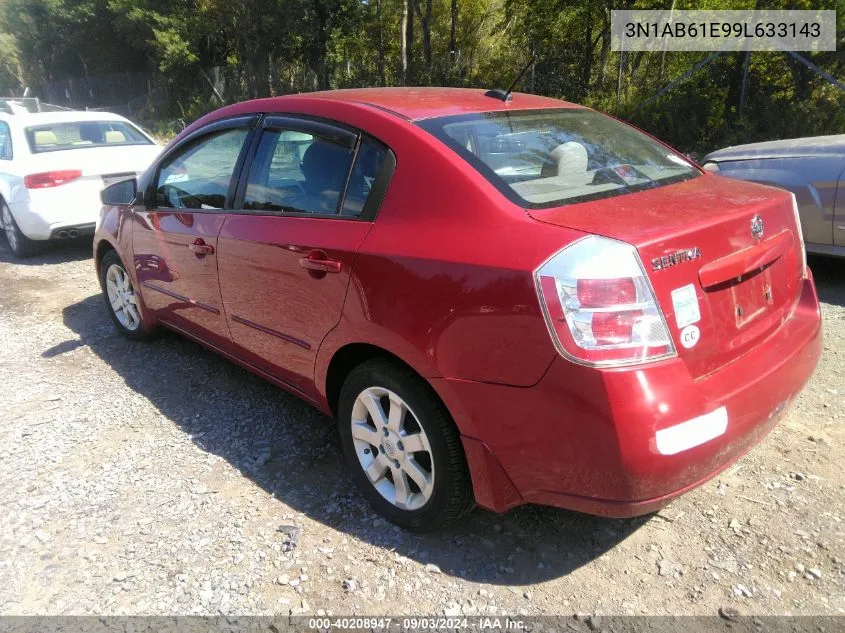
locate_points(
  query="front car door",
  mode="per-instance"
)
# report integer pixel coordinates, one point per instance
(305, 204)
(175, 235)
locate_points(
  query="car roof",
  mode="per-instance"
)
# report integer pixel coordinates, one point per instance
(425, 103)
(69, 116)
(787, 148)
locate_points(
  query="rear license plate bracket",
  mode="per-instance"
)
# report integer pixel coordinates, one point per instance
(752, 297)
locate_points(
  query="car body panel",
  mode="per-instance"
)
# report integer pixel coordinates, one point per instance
(179, 285)
(711, 214)
(811, 168)
(813, 180)
(832, 145)
(422, 102)
(278, 311)
(598, 452)
(442, 279)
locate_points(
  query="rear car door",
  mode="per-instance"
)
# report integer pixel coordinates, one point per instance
(175, 237)
(305, 203)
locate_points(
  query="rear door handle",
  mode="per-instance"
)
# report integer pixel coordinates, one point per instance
(201, 248)
(317, 261)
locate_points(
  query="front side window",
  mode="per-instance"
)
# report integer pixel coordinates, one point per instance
(56, 137)
(297, 172)
(5, 141)
(199, 176)
(545, 158)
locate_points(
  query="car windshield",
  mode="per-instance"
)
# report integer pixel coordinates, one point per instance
(80, 134)
(545, 158)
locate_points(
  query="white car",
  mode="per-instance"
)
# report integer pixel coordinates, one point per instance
(53, 166)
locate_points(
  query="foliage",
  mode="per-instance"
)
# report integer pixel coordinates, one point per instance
(170, 61)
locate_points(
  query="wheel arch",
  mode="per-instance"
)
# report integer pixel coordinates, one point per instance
(492, 488)
(103, 247)
(349, 356)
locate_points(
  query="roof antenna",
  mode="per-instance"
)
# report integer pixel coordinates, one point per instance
(505, 95)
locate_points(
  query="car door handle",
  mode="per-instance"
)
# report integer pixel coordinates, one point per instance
(201, 248)
(317, 261)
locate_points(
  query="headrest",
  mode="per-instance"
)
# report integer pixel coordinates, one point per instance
(113, 136)
(325, 162)
(44, 137)
(571, 159)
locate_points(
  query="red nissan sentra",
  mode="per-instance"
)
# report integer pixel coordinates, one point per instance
(501, 300)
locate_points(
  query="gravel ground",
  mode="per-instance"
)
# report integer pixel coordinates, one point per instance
(160, 479)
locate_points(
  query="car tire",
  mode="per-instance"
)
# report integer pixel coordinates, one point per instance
(20, 245)
(423, 489)
(122, 300)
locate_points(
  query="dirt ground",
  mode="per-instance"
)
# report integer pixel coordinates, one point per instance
(160, 479)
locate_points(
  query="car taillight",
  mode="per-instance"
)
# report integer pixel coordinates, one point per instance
(599, 305)
(800, 236)
(51, 178)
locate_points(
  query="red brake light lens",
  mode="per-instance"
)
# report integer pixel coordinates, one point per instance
(48, 179)
(603, 293)
(599, 305)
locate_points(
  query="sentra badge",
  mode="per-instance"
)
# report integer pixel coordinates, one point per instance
(673, 259)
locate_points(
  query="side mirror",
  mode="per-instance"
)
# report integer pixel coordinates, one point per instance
(123, 193)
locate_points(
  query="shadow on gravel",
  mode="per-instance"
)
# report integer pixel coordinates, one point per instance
(829, 273)
(292, 451)
(54, 253)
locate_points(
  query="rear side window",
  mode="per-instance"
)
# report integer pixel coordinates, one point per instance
(56, 137)
(368, 166)
(199, 176)
(545, 158)
(5, 141)
(296, 172)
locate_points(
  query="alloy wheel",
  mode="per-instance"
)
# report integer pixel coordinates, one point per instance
(122, 298)
(9, 227)
(392, 448)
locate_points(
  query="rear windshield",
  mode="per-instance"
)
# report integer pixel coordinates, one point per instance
(546, 158)
(54, 137)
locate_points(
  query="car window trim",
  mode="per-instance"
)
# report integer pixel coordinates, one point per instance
(381, 183)
(326, 127)
(336, 133)
(341, 201)
(238, 122)
(328, 130)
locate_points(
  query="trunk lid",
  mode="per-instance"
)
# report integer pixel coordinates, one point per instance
(95, 162)
(708, 269)
(78, 201)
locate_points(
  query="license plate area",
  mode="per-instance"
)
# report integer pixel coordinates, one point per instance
(752, 297)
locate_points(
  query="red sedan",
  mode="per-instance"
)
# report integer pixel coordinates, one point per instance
(501, 300)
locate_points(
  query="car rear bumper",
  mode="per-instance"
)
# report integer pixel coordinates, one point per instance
(46, 212)
(624, 442)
